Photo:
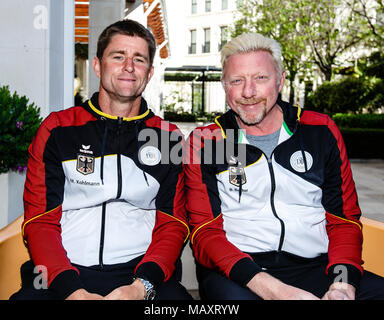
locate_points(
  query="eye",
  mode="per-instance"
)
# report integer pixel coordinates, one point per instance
(118, 57)
(236, 82)
(261, 77)
(139, 60)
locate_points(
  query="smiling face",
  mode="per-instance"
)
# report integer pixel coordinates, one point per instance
(252, 85)
(124, 69)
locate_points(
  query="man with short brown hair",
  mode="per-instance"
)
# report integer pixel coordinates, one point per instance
(104, 216)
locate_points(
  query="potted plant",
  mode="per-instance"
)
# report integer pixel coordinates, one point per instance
(19, 121)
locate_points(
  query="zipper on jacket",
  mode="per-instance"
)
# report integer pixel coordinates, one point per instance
(119, 175)
(119, 186)
(102, 233)
(272, 199)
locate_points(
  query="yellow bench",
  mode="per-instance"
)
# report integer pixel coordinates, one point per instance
(373, 245)
(13, 253)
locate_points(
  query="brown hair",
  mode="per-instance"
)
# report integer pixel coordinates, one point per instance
(129, 28)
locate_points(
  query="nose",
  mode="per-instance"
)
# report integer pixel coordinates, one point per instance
(249, 88)
(129, 66)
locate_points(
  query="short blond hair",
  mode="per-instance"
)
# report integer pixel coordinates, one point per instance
(248, 42)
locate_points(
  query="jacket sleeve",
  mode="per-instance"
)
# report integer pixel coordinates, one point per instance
(43, 196)
(171, 230)
(342, 213)
(209, 242)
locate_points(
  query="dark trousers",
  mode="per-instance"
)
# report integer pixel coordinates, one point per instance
(306, 274)
(101, 281)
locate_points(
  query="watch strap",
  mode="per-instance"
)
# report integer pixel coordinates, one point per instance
(149, 288)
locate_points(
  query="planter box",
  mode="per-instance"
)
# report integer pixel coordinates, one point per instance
(11, 197)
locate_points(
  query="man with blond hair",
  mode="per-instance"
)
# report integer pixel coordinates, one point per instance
(278, 217)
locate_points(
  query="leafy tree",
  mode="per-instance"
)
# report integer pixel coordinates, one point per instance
(372, 66)
(331, 28)
(312, 31)
(372, 12)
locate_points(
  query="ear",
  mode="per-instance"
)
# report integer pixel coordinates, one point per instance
(282, 80)
(96, 66)
(150, 73)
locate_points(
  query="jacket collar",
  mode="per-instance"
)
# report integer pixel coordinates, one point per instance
(93, 106)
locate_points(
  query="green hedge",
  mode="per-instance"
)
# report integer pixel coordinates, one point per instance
(364, 143)
(179, 117)
(363, 134)
(173, 116)
(359, 120)
(349, 94)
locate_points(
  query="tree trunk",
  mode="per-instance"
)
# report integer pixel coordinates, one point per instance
(291, 78)
(291, 92)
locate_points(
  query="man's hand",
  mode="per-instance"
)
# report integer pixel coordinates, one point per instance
(82, 294)
(340, 291)
(270, 288)
(134, 291)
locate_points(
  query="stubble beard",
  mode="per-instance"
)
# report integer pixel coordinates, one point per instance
(253, 118)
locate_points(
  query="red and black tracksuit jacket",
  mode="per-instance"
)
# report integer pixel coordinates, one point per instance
(301, 201)
(100, 190)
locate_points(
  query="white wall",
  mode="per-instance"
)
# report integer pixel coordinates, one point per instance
(37, 60)
(61, 54)
(36, 50)
(101, 14)
(25, 49)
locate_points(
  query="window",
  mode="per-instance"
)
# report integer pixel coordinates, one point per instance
(224, 4)
(207, 5)
(223, 36)
(192, 46)
(239, 3)
(194, 6)
(207, 41)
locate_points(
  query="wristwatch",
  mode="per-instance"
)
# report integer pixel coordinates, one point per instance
(150, 292)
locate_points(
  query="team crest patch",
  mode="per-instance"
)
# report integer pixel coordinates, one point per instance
(237, 175)
(85, 164)
(297, 161)
(150, 156)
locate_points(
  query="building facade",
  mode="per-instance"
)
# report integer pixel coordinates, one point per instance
(197, 31)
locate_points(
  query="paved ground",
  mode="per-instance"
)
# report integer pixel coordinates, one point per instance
(369, 181)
